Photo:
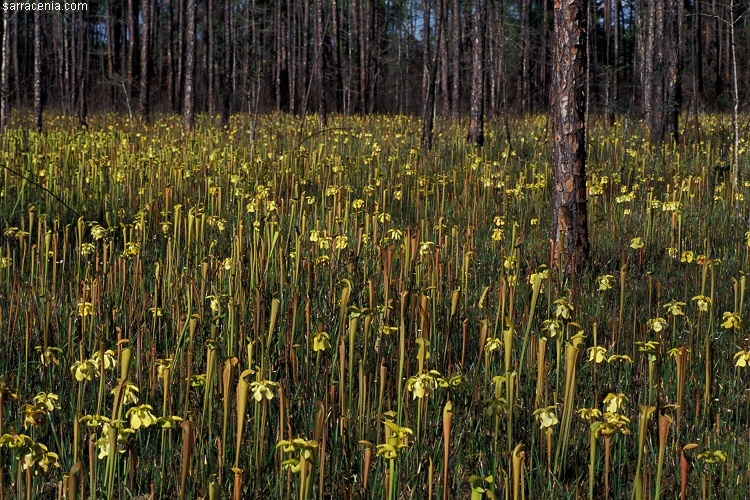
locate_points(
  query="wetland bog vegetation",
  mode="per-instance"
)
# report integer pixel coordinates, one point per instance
(289, 313)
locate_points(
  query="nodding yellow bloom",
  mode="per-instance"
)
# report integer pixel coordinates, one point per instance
(341, 242)
(606, 281)
(620, 357)
(262, 389)
(424, 384)
(493, 343)
(637, 243)
(687, 256)
(169, 422)
(589, 414)
(657, 324)
(713, 456)
(597, 354)
(83, 370)
(553, 326)
(743, 359)
(85, 309)
(614, 401)
(563, 308)
(38, 455)
(130, 393)
(48, 355)
(47, 400)
(321, 341)
(546, 417)
(702, 302)
(675, 308)
(731, 321)
(141, 416)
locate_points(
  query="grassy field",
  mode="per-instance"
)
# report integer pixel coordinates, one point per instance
(340, 315)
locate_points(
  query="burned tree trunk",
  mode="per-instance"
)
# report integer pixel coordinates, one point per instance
(476, 120)
(570, 224)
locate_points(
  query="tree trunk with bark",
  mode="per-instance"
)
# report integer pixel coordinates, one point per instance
(38, 70)
(476, 119)
(188, 118)
(5, 73)
(320, 61)
(456, 59)
(675, 67)
(143, 96)
(428, 80)
(570, 215)
(227, 76)
(211, 50)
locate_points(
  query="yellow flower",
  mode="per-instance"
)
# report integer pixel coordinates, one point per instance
(614, 401)
(702, 302)
(589, 414)
(553, 326)
(687, 256)
(657, 324)
(493, 343)
(605, 282)
(675, 308)
(85, 309)
(341, 242)
(424, 384)
(743, 359)
(597, 354)
(637, 243)
(546, 417)
(262, 389)
(47, 400)
(83, 370)
(731, 321)
(141, 416)
(321, 341)
(620, 357)
(713, 456)
(563, 308)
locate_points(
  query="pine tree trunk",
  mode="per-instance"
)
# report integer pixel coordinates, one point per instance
(570, 224)
(143, 96)
(188, 118)
(675, 67)
(227, 77)
(428, 87)
(5, 72)
(320, 61)
(456, 59)
(170, 56)
(337, 70)
(211, 66)
(476, 120)
(38, 70)
(133, 34)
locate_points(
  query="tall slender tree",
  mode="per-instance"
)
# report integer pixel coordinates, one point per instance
(476, 117)
(5, 72)
(188, 118)
(38, 69)
(143, 96)
(570, 210)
